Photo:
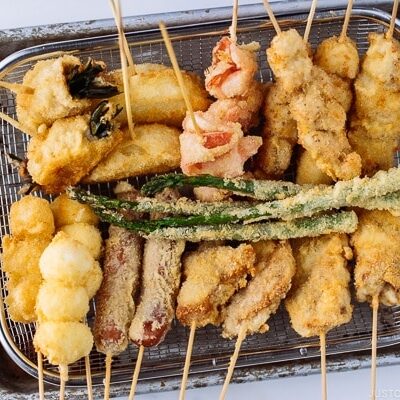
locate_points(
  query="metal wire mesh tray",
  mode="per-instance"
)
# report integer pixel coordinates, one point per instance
(193, 45)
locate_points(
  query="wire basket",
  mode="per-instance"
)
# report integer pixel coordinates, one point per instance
(193, 46)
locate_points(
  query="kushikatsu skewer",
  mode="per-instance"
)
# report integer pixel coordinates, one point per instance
(188, 357)
(107, 379)
(233, 27)
(63, 370)
(88, 378)
(272, 16)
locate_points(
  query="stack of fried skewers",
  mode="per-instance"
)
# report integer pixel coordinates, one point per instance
(240, 288)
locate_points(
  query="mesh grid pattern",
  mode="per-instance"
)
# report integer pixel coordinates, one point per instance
(211, 352)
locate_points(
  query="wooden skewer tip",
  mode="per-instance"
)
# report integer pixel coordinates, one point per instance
(136, 373)
(40, 375)
(375, 306)
(187, 361)
(324, 392)
(238, 344)
(390, 32)
(347, 16)
(271, 16)
(310, 20)
(107, 379)
(233, 27)
(89, 378)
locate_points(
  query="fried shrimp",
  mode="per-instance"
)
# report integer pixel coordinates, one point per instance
(232, 70)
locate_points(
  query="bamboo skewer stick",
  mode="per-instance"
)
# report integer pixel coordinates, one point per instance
(136, 373)
(124, 68)
(272, 16)
(40, 375)
(347, 16)
(16, 87)
(13, 122)
(375, 306)
(310, 20)
(187, 361)
(107, 378)
(322, 339)
(239, 341)
(179, 76)
(89, 378)
(127, 50)
(63, 378)
(389, 34)
(233, 27)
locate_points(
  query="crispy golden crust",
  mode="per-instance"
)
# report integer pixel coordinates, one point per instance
(308, 173)
(155, 149)
(51, 99)
(377, 252)
(320, 296)
(67, 152)
(252, 306)
(212, 275)
(279, 133)
(156, 96)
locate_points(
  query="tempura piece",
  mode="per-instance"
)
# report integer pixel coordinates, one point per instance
(375, 126)
(308, 173)
(320, 296)
(63, 343)
(232, 70)
(31, 216)
(71, 148)
(253, 305)
(279, 133)
(61, 87)
(156, 96)
(377, 253)
(155, 149)
(212, 275)
(67, 211)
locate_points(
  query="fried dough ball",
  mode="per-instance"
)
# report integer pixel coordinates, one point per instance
(93, 282)
(66, 260)
(21, 298)
(86, 234)
(63, 343)
(31, 216)
(338, 56)
(67, 211)
(21, 256)
(59, 303)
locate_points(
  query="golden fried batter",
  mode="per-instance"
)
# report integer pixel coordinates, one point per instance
(320, 296)
(377, 253)
(253, 305)
(212, 276)
(67, 152)
(155, 149)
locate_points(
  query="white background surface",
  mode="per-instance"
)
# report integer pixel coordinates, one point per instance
(352, 385)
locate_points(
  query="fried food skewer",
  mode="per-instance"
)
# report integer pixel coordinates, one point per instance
(233, 27)
(63, 370)
(136, 372)
(89, 378)
(179, 76)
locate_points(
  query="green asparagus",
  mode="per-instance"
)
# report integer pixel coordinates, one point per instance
(345, 221)
(355, 192)
(258, 189)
